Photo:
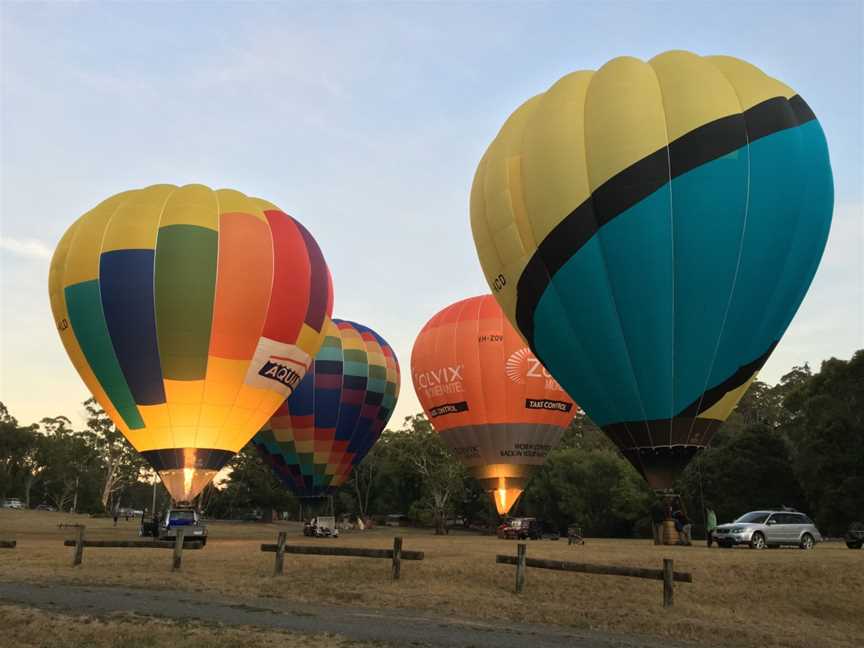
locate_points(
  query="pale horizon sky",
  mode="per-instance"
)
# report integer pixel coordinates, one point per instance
(365, 121)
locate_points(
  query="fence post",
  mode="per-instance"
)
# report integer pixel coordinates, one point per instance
(520, 567)
(79, 547)
(397, 557)
(668, 574)
(178, 550)
(280, 553)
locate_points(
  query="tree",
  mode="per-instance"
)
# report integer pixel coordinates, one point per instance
(363, 479)
(751, 469)
(122, 465)
(591, 485)
(251, 485)
(19, 466)
(442, 477)
(826, 427)
(69, 458)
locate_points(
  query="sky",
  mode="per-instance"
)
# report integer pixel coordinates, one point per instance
(365, 121)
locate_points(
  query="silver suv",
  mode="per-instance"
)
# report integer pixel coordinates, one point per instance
(761, 529)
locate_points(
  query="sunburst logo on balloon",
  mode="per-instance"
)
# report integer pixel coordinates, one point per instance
(516, 365)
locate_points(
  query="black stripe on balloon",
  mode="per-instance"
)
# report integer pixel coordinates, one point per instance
(802, 110)
(623, 190)
(712, 396)
(176, 458)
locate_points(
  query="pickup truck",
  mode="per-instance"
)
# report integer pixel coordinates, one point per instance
(194, 530)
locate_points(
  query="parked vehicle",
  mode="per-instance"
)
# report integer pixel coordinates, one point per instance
(323, 526)
(760, 529)
(194, 530)
(13, 503)
(397, 520)
(149, 527)
(521, 529)
(855, 535)
(46, 507)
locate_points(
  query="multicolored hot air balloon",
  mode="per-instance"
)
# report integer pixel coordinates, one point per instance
(190, 314)
(651, 229)
(336, 414)
(493, 403)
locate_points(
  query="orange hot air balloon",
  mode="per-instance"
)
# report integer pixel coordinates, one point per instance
(493, 403)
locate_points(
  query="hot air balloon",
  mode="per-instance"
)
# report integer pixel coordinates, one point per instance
(190, 314)
(495, 406)
(651, 229)
(336, 414)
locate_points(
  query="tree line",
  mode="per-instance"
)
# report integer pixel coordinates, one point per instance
(799, 443)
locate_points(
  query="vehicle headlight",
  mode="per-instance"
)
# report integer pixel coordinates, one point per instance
(738, 530)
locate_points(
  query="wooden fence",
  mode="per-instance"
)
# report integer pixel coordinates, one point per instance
(396, 554)
(177, 545)
(667, 574)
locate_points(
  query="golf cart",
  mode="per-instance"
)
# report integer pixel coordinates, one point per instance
(322, 526)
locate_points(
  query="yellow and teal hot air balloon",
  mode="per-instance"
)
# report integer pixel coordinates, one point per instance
(190, 314)
(651, 229)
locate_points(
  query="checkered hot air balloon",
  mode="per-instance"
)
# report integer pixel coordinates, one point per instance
(336, 414)
(651, 229)
(190, 314)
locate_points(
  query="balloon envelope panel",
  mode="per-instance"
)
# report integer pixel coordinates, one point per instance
(337, 413)
(651, 228)
(190, 314)
(488, 396)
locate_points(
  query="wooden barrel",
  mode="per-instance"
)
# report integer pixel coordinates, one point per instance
(670, 533)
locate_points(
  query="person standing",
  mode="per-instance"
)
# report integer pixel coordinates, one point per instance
(710, 524)
(683, 526)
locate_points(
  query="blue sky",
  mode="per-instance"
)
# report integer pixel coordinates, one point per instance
(365, 121)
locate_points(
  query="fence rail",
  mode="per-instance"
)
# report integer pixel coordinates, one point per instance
(587, 568)
(667, 574)
(354, 552)
(396, 554)
(133, 544)
(177, 545)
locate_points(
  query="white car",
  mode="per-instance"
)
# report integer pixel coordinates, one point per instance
(760, 529)
(13, 503)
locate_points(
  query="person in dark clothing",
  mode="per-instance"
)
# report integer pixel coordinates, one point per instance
(658, 514)
(683, 526)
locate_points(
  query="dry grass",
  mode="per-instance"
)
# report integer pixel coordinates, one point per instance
(35, 628)
(775, 597)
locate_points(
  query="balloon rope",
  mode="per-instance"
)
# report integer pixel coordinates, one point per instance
(701, 492)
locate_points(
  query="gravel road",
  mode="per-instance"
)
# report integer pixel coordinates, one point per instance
(398, 627)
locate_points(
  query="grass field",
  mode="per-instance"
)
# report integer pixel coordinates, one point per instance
(745, 598)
